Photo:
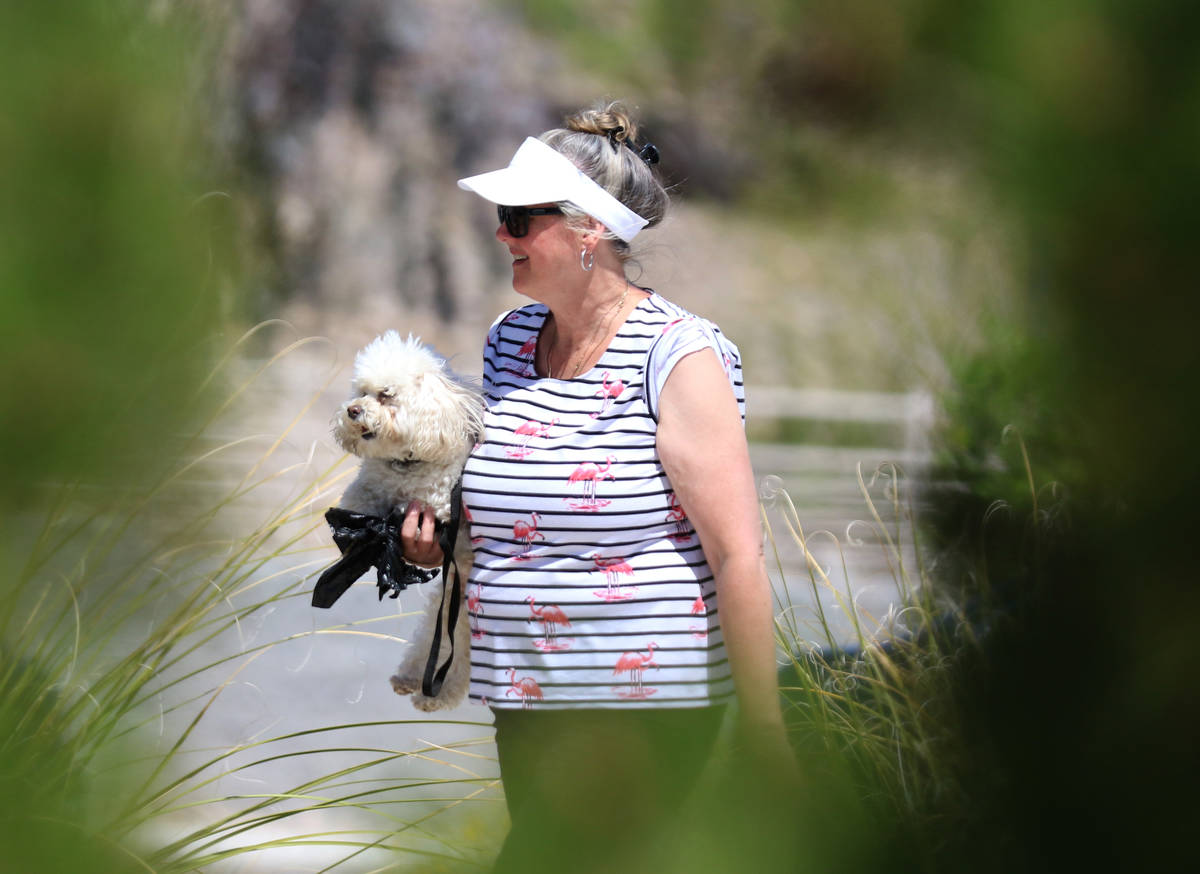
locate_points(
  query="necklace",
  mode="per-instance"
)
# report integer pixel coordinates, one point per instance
(593, 341)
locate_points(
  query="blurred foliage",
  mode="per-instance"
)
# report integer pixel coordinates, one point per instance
(1089, 112)
(1071, 741)
(42, 814)
(1092, 129)
(116, 277)
(820, 432)
(1004, 463)
(1088, 127)
(802, 100)
(114, 245)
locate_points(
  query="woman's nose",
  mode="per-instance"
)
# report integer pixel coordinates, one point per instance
(502, 233)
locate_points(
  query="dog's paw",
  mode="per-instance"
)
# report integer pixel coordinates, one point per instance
(405, 685)
(429, 705)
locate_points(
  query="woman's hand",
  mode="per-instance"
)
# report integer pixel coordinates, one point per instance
(419, 536)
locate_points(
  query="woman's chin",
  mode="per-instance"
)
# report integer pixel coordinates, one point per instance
(522, 286)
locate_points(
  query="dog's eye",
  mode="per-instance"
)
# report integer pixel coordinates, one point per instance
(386, 394)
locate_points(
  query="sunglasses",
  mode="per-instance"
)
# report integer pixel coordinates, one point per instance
(516, 218)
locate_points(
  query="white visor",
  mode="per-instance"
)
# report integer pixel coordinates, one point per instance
(539, 174)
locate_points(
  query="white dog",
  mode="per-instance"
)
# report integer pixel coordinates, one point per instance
(413, 422)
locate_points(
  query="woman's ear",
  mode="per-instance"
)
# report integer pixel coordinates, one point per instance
(592, 232)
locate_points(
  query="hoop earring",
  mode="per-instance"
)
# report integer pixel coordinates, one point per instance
(591, 259)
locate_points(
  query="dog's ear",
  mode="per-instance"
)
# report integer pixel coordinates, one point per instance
(469, 407)
(452, 413)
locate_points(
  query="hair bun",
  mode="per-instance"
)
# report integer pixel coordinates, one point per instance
(611, 120)
(600, 141)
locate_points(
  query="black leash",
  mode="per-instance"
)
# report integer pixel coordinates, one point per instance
(431, 684)
(371, 541)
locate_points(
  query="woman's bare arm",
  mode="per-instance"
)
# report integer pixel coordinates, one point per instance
(703, 449)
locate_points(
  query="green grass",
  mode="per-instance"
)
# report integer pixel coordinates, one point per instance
(819, 432)
(873, 716)
(123, 631)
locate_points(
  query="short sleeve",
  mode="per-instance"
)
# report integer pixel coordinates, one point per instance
(493, 334)
(490, 346)
(681, 338)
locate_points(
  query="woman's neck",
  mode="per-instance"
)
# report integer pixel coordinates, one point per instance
(575, 318)
(580, 329)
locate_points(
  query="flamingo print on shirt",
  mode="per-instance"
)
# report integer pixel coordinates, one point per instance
(613, 569)
(475, 609)
(588, 474)
(700, 632)
(526, 533)
(608, 391)
(551, 616)
(525, 688)
(635, 664)
(572, 502)
(529, 429)
(678, 518)
(525, 355)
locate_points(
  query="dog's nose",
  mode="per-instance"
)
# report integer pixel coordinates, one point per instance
(354, 411)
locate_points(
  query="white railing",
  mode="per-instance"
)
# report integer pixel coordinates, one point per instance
(834, 405)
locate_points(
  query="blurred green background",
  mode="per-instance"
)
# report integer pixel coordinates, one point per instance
(115, 249)
(117, 276)
(994, 200)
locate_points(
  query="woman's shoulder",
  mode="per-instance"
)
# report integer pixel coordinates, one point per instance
(520, 315)
(677, 326)
(521, 319)
(682, 332)
(672, 318)
(660, 310)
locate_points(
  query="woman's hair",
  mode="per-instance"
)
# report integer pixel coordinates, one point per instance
(601, 142)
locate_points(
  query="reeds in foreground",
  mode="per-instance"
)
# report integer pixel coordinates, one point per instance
(127, 627)
(872, 715)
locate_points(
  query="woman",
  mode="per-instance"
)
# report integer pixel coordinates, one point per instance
(618, 598)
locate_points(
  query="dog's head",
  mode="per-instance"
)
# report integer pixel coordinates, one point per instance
(407, 405)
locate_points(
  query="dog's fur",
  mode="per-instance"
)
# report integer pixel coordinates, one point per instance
(413, 422)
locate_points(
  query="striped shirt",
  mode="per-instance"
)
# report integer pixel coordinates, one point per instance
(589, 587)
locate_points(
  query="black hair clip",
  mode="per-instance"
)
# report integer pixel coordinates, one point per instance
(648, 153)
